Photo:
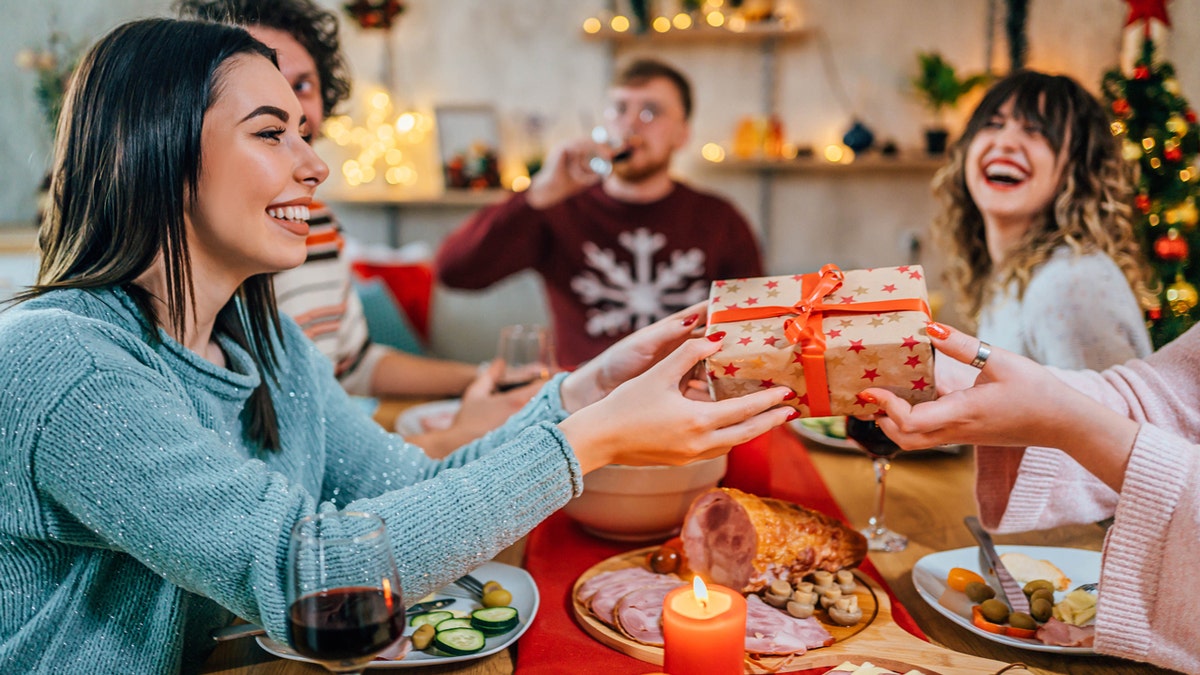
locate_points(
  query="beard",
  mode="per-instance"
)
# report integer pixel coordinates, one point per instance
(636, 172)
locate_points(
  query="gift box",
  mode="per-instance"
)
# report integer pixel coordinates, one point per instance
(827, 335)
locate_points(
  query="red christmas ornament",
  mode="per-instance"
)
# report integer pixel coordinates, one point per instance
(377, 14)
(1190, 116)
(1155, 313)
(1143, 203)
(1173, 154)
(1171, 247)
(1141, 73)
(1121, 107)
(1144, 10)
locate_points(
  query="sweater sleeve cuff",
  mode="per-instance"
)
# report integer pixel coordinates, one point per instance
(1155, 481)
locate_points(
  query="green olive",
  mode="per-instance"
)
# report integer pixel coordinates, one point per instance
(1036, 584)
(1021, 620)
(978, 592)
(1042, 593)
(993, 610)
(1041, 609)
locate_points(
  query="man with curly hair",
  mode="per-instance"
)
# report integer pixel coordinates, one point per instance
(319, 294)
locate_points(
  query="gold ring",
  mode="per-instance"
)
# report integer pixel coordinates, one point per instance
(981, 356)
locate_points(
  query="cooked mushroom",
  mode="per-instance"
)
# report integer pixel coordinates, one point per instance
(846, 612)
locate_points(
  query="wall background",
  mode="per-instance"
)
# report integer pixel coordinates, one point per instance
(528, 56)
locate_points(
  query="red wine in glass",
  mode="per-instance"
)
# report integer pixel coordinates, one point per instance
(345, 625)
(344, 599)
(880, 449)
(509, 386)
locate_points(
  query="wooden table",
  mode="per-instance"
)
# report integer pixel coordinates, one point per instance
(928, 496)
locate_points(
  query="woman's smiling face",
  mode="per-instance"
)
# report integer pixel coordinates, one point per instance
(1012, 171)
(257, 176)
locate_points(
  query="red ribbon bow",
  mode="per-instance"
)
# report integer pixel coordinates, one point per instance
(804, 326)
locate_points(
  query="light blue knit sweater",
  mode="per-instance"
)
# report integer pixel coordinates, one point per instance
(135, 517)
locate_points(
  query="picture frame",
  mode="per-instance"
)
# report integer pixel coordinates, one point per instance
(469, 145)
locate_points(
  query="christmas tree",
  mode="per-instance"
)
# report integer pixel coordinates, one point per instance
(1159, 133)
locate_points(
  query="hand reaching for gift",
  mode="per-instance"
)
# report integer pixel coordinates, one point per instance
(1013, 402)
(630, 408)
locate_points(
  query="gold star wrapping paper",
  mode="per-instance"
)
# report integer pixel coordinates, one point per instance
(871, 323)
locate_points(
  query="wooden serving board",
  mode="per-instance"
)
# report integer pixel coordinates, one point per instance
(877, 638)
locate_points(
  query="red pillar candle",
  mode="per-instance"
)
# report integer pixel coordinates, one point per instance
(704, 629)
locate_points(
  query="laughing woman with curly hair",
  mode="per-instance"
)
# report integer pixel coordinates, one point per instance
(1036, 205)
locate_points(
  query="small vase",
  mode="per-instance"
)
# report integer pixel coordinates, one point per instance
(935, 141)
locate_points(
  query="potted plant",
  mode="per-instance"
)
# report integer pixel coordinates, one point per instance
(940, 89)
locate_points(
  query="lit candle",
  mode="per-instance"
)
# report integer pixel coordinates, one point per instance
(704, 629)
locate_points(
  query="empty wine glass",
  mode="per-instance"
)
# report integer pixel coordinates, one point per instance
(344, 600)
(527, 351)
(880, 449)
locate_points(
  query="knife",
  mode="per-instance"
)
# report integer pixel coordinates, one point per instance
(994, 570)
(247, 629)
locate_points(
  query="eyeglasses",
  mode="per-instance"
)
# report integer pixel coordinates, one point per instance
(646, 114)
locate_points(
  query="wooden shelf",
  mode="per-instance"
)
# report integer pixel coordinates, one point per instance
(759, 32)
(451, 198)
(913, 163)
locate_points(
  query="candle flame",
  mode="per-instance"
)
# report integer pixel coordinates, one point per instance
(701, 592)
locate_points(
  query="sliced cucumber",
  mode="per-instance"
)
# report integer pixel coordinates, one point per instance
(418, 620)
(459, 641)
(456, 622)
(495, 620)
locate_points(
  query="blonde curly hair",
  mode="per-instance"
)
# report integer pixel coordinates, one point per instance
(1092, 212)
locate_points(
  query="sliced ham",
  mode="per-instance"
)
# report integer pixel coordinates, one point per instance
(604, 601)
(1061, 634)
(770, 631)
(639, 613)
(745, 542)
(588, 588)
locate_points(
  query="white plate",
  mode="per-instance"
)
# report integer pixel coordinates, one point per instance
(805, 431)
(929, 576)
(427, 417)
(524, 598)
(842, 443)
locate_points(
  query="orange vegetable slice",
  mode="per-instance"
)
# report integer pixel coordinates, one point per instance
(958, 578)
(999, 629)
(983, 624)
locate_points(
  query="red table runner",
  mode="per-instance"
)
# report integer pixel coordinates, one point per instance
(558, 551)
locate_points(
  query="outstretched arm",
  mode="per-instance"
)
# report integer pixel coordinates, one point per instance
(1014, 402)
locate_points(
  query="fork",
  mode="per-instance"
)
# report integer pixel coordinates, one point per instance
(470, 584)
(1089, 588)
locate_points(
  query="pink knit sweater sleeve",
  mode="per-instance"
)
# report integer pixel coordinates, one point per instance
(1148, 591)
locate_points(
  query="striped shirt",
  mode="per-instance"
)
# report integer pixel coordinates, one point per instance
(319, 295)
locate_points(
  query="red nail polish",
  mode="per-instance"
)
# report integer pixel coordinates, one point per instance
(867, 398)
(691, 319)
(717, 336)
(793, 415)
(789, 396)
(937, 330)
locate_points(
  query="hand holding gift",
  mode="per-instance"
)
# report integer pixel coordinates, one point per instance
(827, 335)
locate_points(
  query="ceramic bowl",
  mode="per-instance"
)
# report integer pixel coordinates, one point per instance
(642, 503)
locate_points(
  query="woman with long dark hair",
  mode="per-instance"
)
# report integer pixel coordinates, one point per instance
(164, 428)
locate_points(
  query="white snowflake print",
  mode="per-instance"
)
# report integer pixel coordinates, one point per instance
(626, 298)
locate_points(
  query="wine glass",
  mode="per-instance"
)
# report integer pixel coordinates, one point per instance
(880, 449)
(528, 354)
(600, 163)
(344, 599)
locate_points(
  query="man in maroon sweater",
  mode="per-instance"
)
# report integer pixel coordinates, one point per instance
(616, 252)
